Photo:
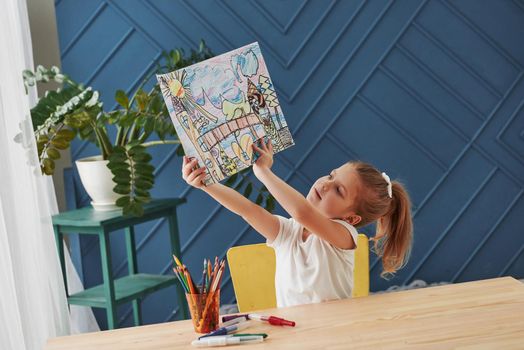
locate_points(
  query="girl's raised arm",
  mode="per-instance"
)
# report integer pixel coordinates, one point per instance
(296, 205)
(256, 216)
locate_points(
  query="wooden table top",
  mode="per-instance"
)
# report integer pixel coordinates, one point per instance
(472, 315)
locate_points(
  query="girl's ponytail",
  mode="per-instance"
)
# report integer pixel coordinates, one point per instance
(394, 234)
(391, 208)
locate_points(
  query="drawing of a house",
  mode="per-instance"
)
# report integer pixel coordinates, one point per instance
(221, 106)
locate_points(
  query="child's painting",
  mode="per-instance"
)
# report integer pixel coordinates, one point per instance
(221, 106)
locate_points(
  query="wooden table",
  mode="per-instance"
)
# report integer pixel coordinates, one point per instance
(481, 314)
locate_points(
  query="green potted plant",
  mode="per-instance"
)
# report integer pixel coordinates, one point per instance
(122, 175)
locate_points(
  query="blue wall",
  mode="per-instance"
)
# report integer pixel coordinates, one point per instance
(429, 91)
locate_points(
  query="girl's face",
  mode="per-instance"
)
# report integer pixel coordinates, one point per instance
(335, 194)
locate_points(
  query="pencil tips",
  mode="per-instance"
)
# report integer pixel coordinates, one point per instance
(211, 276)
(176, 260)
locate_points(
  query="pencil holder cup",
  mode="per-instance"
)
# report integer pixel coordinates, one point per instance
(204, 311)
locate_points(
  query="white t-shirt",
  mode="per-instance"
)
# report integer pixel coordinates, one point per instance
(310, 271)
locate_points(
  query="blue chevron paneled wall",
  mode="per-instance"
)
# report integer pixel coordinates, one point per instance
(432, 92)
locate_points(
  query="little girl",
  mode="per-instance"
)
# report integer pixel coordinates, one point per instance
(315, 247)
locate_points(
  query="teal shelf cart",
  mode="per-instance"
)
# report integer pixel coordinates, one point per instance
(136, 285)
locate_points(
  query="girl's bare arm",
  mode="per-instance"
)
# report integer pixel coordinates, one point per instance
(256, 216)
(296, 205)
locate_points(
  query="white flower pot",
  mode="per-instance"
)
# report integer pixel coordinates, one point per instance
(98, 182)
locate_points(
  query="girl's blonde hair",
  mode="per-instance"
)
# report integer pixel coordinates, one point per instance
(394, 229)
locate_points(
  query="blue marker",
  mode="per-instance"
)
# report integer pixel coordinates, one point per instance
(226, 330)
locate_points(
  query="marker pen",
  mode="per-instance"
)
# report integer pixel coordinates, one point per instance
(263, 335)
(235, 320)
(231, 317)
(277, 321)
(227, 340)
(226, 330)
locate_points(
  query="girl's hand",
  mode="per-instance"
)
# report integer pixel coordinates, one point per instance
(193, 175)
(265, 159)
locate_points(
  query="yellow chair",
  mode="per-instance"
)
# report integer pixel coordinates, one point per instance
(252, 269)
(361, 269)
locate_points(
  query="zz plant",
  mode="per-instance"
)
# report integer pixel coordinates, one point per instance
(74, 110)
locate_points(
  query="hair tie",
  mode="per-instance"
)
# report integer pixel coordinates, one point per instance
(390, 187)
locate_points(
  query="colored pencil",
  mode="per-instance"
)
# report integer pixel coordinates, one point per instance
(218, 278)
(177, 261)
(179, 270)
(180, 280)
(192, 287)
(204, 273)
(222, 272)
(210, 283)
(213, 289)
(208, 275)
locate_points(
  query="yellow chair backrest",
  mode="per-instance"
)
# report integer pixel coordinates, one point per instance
(252, 269)
(361, 269)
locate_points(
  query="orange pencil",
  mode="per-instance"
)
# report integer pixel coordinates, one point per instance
(213, 289)
(189, 280)
(213, 276)
(222, 272)
(209, 298)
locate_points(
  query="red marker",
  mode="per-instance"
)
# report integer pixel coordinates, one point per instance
(277, 321)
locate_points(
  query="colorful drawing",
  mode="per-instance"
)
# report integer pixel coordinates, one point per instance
(221, 106)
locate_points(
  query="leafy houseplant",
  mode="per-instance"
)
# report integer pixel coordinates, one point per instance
(74, 110)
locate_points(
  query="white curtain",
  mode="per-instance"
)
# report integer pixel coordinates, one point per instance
(33, 304)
